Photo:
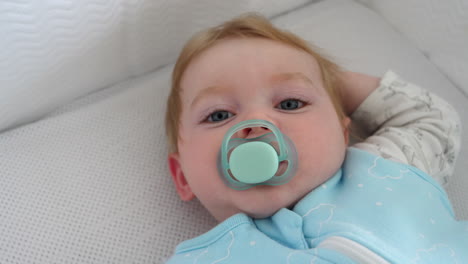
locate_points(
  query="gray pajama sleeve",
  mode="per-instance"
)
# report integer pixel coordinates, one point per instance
(405, 123)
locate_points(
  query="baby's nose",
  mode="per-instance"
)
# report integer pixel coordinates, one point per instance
(251, 132)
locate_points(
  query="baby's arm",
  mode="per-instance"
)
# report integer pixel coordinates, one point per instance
(403, 122)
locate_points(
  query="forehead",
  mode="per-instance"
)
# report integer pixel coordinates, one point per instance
(241, 61)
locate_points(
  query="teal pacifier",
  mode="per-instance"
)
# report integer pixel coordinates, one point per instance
(269, 159)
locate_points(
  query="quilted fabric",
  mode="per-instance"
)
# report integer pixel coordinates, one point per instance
(55, 51)
(89, 182)
(438, 28)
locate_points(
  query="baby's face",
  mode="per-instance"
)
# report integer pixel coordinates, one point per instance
(242, 79)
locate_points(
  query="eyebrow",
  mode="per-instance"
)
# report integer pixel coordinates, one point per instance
(287, 76)
(209, 90)
(277, 78)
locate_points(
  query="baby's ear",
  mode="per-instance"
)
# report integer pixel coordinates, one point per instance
(182, 186)
(346, 122)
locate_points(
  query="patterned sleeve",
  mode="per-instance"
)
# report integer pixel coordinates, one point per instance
(405, 123)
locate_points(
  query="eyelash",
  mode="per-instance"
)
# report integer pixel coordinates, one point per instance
(205, 118)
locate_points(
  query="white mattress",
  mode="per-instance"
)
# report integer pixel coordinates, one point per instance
(89, 183)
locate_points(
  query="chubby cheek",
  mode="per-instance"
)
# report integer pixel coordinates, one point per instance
(319, 151)
(199, 156)
(200, 148)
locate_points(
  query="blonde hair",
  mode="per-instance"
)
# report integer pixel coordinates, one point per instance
(246, 26)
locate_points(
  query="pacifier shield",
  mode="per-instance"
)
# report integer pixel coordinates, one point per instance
(253, 162)
(269, 159)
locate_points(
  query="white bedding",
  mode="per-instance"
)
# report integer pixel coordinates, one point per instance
(438, 28)
(52, 52)
(89, 182)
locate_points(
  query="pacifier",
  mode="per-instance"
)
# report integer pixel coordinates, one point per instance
(269, 159)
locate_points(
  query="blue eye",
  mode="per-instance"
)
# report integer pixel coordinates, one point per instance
(291, 104)
(218, 116)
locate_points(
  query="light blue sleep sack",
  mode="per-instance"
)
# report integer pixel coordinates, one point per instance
(372, 211)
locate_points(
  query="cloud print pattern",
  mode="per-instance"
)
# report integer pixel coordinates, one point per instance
(379, 209)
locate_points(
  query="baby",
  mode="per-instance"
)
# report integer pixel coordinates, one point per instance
(373, 202)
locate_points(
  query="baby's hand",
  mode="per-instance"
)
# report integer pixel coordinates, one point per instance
(354, 88)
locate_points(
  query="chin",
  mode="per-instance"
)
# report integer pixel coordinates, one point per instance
(261, 215)
(263, 201)
(266, 209)
(259, 210)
